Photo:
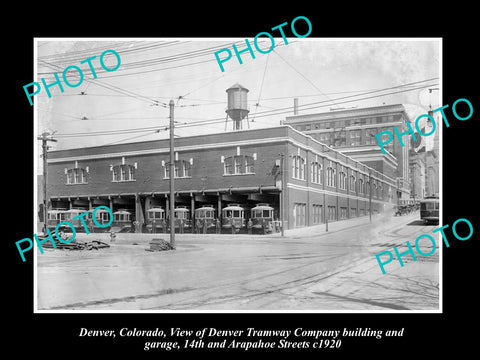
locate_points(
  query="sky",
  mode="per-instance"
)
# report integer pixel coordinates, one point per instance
(131, 103)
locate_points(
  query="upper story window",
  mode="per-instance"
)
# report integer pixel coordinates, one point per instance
(361, 186)
(77, 175)
(123, 172)
(342, 180)
(355, 137)
(182, 169)
(384, 138)
(316, 172)
(238, 164)
(340, 138)
(298, 167)
(331, 176)
(370, 136)
(353, 182)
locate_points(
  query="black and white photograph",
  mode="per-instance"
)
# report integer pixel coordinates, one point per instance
(200, 180)
(228, 175)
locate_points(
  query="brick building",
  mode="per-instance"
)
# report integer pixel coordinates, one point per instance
(353, 131)
(239, 167)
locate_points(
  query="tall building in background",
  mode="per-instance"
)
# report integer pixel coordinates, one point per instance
(352, 132)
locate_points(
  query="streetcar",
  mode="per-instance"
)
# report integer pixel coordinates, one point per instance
(429, 210)
(122, 221)
(233, 215)
(262, 218)
(102, 217)
(57, 216)
(156, 220)
(182, 219)
(77, 223)
(54, 217)
(205, 218)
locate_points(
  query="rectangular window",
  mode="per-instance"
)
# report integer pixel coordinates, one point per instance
(249, 165)
(186, 169)
(176, 170)
(238, 165)
(332, 213)
(317, 214)
(370, 136)
(167, 171)
(228, 166)
(342, 180)
(77, 176)
(331, 177)
(181, 169)
(299, 214)
(432, 206)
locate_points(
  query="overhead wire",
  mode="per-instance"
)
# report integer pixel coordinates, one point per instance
(261, 87)
(316, 105)
(208, 122)
(117, 89)
(154, 61)
(302, 75)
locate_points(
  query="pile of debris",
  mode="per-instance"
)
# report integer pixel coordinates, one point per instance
(74, 245)
(160, 245)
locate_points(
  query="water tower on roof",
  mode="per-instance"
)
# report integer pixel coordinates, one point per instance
(237, 108)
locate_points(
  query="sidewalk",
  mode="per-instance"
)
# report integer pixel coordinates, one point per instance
(335, 226)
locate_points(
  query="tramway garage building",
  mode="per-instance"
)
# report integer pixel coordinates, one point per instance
(240, 167)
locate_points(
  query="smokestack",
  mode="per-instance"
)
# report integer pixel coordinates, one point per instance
(295, 106)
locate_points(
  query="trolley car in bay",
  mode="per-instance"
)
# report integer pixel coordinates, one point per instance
(57, 216)
(156, 220)
(205, 218)
(102, 217)
(429, 210)
(54, 217)
(233, 215)
(77, 223)
(182, 221)
(262, 218)
(122, 221)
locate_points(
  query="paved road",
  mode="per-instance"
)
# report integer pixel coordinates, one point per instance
(306, 270)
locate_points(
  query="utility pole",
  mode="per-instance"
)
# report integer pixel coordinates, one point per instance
(282, 195)
(44, 137)
(370, 192)
(172, 175)
(325, 213)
